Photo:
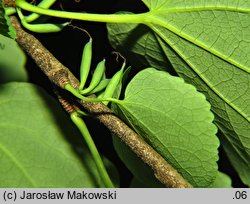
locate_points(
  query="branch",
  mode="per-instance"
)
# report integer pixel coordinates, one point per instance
(9, 3)
(60, 75)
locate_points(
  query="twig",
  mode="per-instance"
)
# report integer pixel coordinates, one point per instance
(60, 75)
(9, 3)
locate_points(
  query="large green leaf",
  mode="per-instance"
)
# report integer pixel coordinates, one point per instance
(208, 44)
(176, 120)
(12, 61)
(35, 147)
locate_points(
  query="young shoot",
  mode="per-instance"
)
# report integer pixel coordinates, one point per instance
(40, 28)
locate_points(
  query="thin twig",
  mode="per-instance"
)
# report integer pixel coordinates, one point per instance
(60, 75)
(9, 3)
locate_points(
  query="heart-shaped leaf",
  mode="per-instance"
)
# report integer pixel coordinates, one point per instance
(36, 142)
(208, 44)
(176, 121)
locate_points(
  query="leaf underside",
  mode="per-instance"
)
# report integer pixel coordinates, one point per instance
(35, 147)
(208, 45)
(176, 121)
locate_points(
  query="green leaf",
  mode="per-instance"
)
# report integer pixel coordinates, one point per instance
(12, 63)
(138, 43)
(208, 45)
(38, 143)
(6, 28)
(176, 121)
(222, 181)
